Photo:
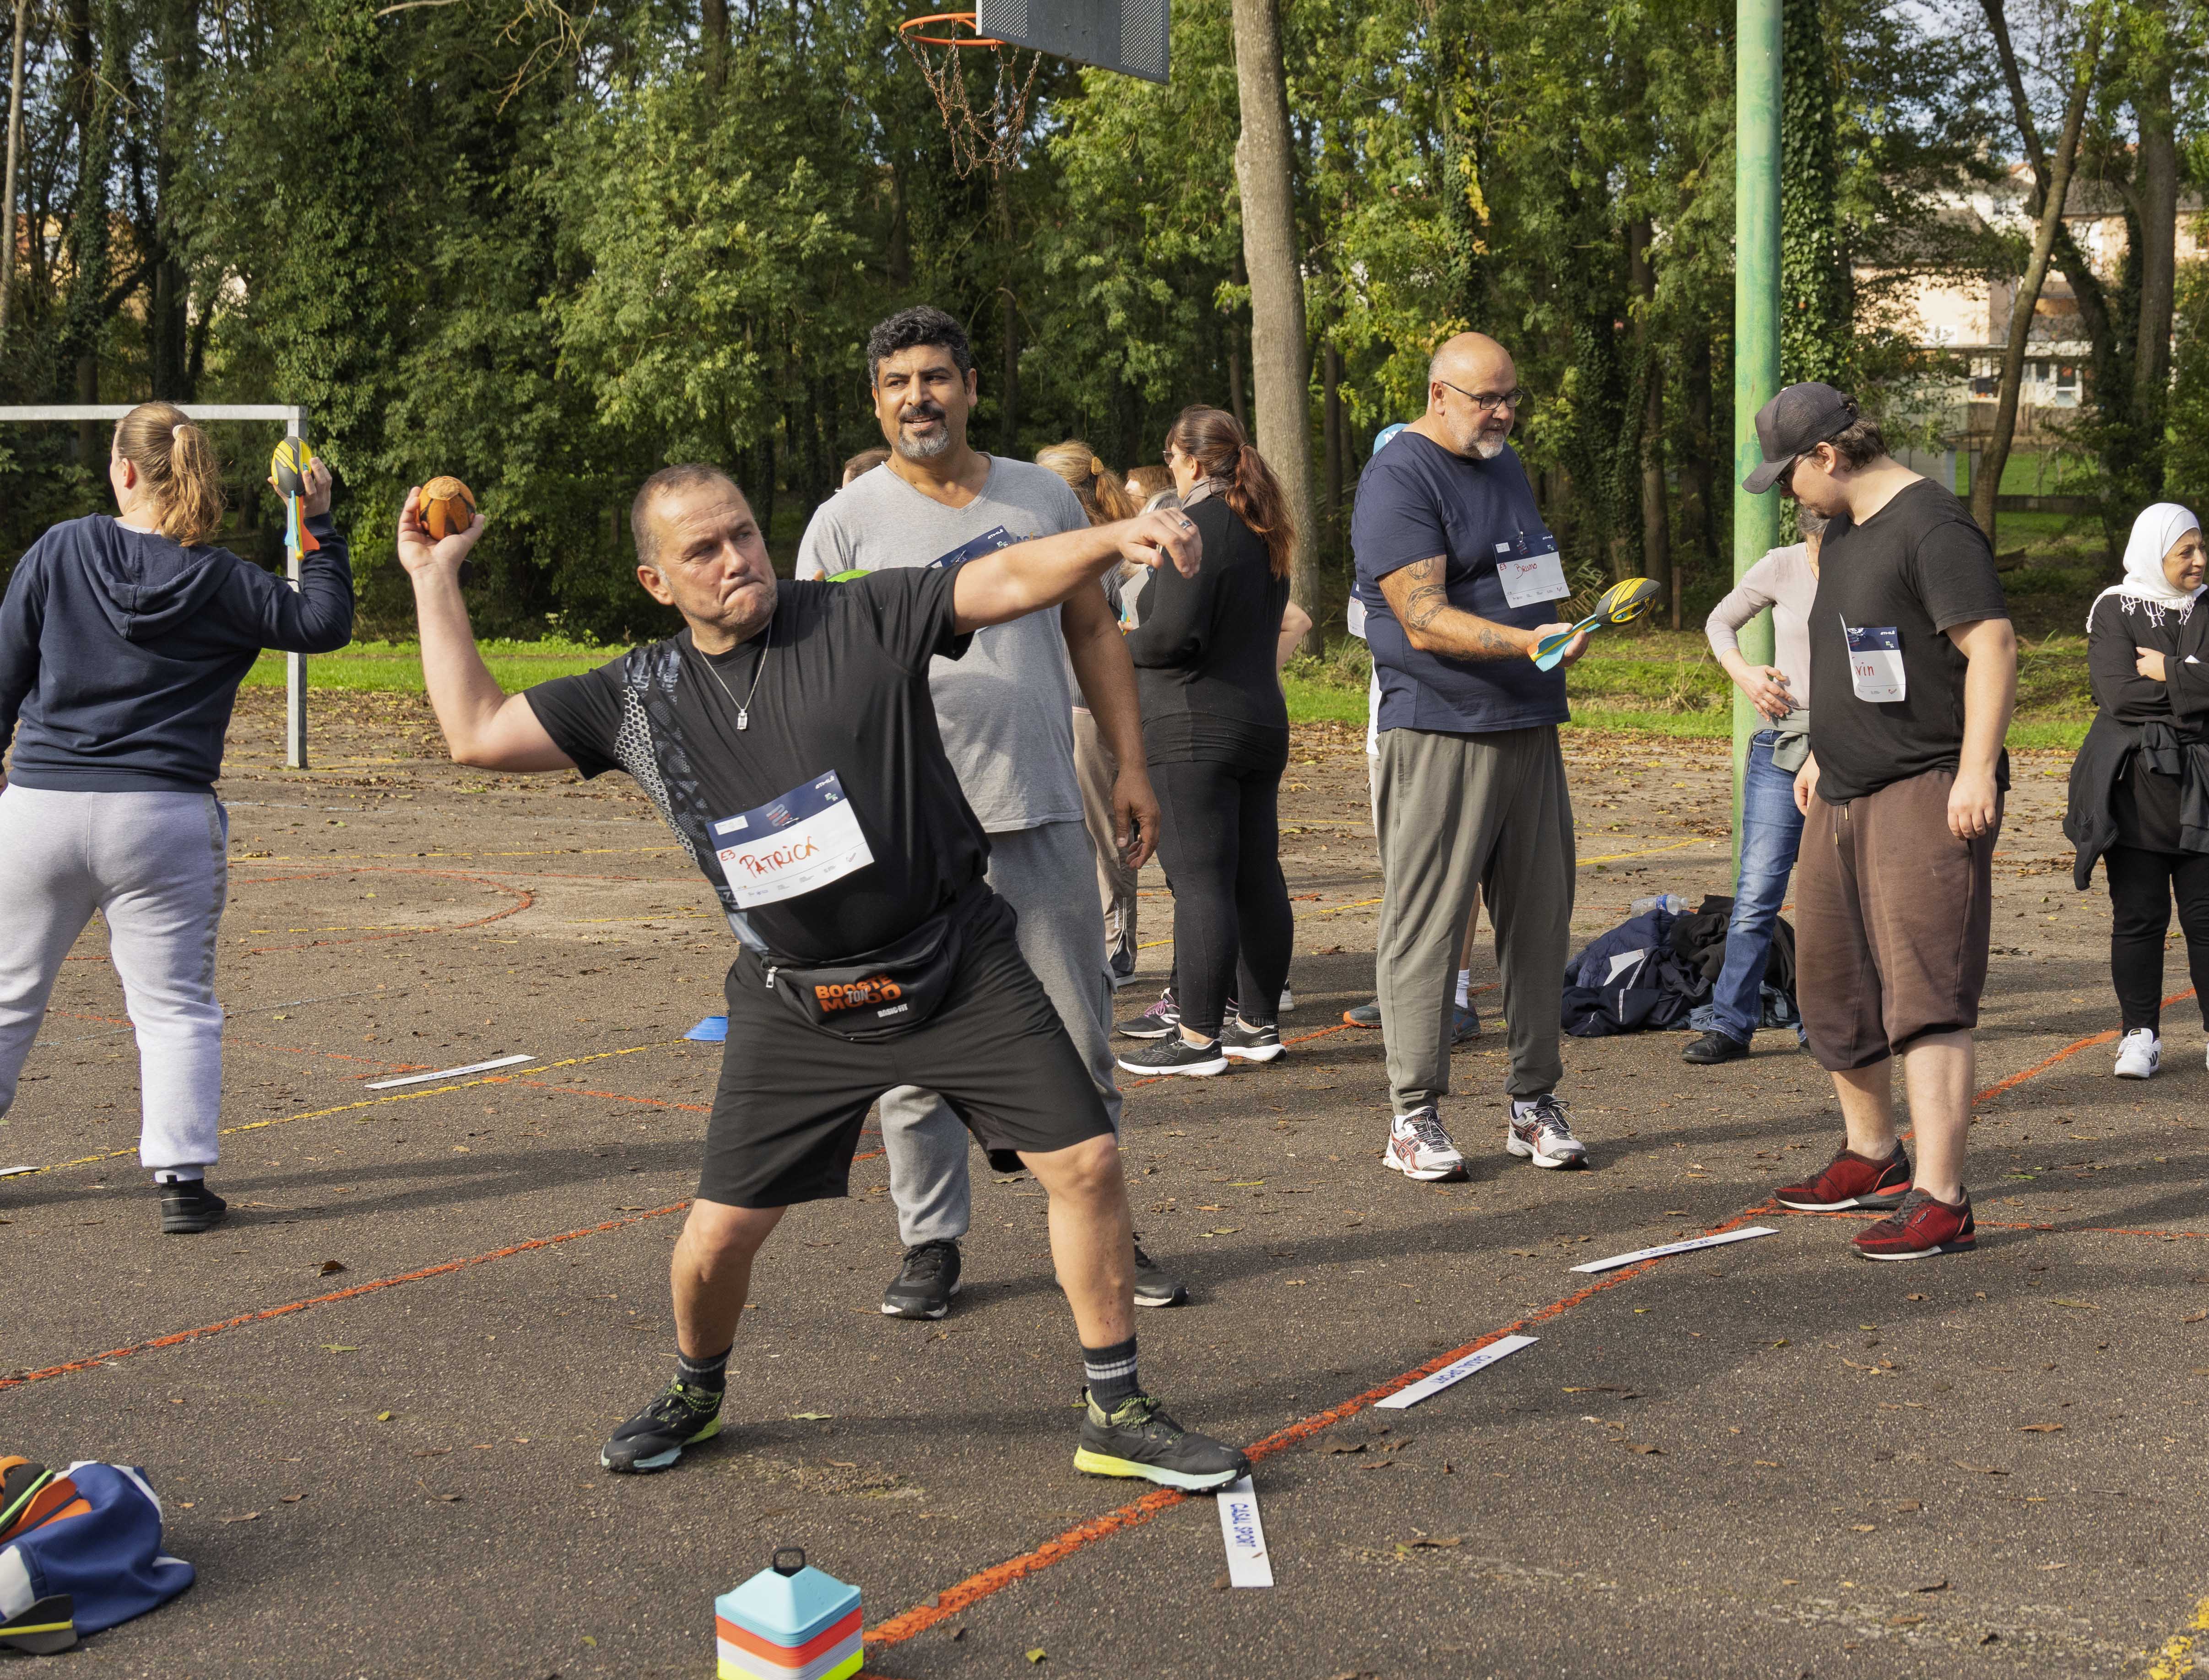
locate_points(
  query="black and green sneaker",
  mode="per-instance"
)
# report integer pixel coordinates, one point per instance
(655, 1437)
(1138, 1439)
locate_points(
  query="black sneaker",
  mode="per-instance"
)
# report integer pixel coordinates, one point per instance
(655, 1437)
(1137, 1438)
(1714, 1047)
(1155, 1287)
(926, 1282)
(189, 1206)
(1251, 1044)
(1177, 1055)
(1161, 1021)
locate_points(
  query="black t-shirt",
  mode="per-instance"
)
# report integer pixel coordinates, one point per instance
(1916, 566)
(843, 687)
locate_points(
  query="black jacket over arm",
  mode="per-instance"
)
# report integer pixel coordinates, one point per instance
(2142, 727)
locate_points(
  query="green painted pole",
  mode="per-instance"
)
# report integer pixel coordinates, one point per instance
(1755, 325)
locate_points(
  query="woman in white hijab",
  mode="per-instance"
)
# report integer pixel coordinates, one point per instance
(2139, 787)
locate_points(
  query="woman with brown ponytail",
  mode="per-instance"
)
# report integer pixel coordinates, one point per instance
(1216, 732)
(123, 639)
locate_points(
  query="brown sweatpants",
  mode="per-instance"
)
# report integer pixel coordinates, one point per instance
(1891, 917)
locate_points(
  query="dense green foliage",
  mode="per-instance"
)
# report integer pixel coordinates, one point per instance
(551, 250)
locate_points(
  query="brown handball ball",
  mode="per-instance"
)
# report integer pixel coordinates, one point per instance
(447, 505)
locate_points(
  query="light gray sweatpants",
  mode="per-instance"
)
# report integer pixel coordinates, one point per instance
(1049, 876)
(1458, 812)
(153, 865)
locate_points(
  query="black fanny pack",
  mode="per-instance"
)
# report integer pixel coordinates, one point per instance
(878, 994)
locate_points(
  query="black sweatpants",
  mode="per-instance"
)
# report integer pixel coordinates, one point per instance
(1219, 839)
(2141, 887)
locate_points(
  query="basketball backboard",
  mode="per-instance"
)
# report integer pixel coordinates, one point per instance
(1128, 36)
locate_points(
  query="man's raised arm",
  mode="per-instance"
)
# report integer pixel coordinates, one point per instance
(1417, 594)
(1044, 571)
(484, 725)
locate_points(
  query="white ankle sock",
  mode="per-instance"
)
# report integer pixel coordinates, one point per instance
(1464, 987)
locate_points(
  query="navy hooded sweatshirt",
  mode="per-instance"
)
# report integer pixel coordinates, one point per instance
(121, 651)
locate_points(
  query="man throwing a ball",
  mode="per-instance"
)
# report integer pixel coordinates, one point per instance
(788, 739)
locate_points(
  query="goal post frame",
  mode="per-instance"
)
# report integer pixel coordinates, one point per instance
(294, 418)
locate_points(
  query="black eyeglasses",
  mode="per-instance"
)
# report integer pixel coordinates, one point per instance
(1488, 401)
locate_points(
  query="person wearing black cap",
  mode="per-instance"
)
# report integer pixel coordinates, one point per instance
(1913, 674)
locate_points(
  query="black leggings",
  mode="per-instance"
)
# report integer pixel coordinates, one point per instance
(2141, 884)
(1219, 839)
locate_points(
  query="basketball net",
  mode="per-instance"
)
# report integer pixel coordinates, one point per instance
(990, 134)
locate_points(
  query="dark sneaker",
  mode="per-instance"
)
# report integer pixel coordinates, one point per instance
(1138, 1439)
(1712, 1048)
(1367, 1015)
(1851, 1180)
(189, 1207)
(1161, 1021)
(1543, 1135)
(1176, 1055)
(1919, 1229)
(1155, 1287)
(1465, 1025)
(655, 1437)
(1251, 1044)
(926, 1281)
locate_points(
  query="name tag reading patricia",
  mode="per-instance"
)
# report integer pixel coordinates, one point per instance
(795, 843)
(1530, 579)
(1876, 669)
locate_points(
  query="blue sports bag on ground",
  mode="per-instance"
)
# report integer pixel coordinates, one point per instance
(80, 1552)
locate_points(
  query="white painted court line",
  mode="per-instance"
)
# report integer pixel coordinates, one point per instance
(1502, 1348)
(450, 1073)
(1248, 1564)
(1691, 1245)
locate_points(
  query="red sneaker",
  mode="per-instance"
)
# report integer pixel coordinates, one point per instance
(1851, 1180)
(1919, 1230)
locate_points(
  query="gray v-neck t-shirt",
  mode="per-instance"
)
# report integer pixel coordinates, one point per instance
(1005, 711)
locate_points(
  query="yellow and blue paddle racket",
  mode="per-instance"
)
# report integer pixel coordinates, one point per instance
(1620, 603)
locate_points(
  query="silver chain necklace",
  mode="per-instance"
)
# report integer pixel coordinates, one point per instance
(744, 706)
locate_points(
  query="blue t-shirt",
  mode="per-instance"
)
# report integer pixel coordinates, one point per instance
(1416, 500)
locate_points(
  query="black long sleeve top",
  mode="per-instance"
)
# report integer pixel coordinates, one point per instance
(1204, 652)
(2141, 777)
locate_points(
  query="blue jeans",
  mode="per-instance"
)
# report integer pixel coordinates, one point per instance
(1771, 833)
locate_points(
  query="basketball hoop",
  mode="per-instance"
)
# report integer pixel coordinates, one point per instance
(995, 134)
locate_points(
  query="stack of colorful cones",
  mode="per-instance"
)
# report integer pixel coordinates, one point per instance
(789, 1622)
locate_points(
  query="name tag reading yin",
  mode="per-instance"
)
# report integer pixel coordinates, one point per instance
(795, 843)
(1529, 580)
(1876, 669)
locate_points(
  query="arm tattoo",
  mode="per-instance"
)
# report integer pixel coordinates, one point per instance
(1463, 635)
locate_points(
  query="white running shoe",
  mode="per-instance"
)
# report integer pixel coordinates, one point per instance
(1288, 1000)
(1543, 1135)
(1419, 1149)
(2140, 1055)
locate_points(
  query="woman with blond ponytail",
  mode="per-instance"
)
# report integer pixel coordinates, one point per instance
(123, 639)
(1105, 498)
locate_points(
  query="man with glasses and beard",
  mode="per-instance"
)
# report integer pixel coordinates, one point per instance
(1006, 713)
(1459, 579)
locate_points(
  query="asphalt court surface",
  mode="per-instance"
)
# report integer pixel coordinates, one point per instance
(373, 1401)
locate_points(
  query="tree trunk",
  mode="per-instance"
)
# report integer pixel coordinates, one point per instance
(1238, 402)
(1009, 400)
(1656, 517)
(1331, 418)
(1278, 349)
(1817, 339)
(15, 151)
(1698, 488)
(168, 350)
(86, 312)
(713, 27)
(2155, 187)
(1986, 478)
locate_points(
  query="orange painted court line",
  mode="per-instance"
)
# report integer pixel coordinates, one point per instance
(998, 1576)
(2064, 1055)
(289, 1307)
(2160, 1234)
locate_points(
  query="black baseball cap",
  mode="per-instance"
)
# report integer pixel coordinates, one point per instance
(1793, 424)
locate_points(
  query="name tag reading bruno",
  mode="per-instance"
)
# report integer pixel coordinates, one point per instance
(1876, 663)
(1528, 579)
(802, 840)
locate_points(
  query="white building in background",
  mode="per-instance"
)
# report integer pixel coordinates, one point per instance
(1971, 316)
